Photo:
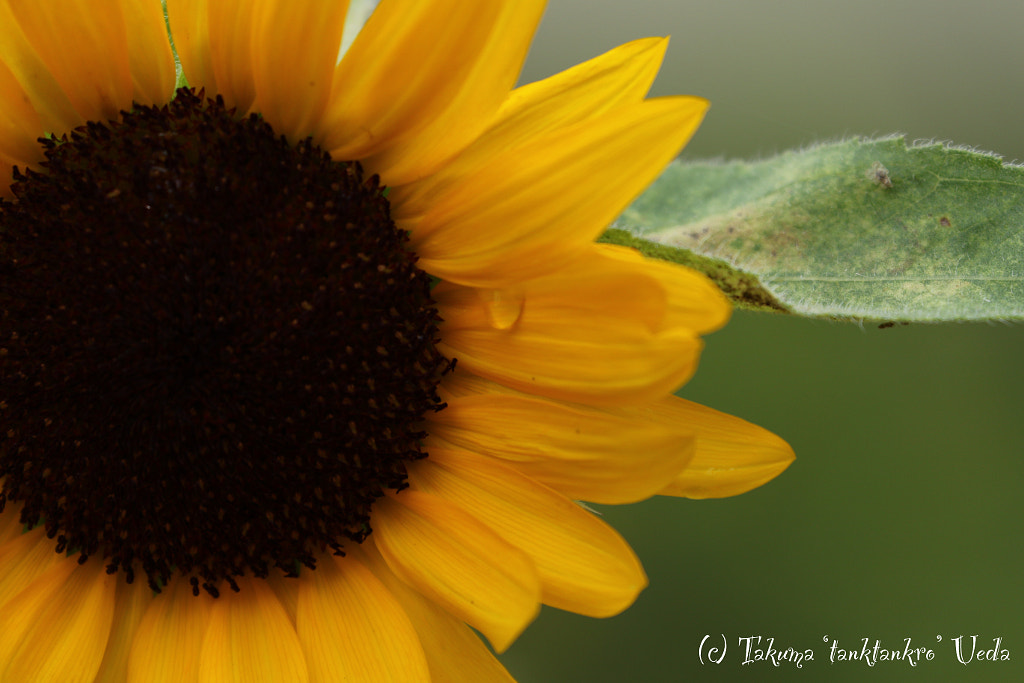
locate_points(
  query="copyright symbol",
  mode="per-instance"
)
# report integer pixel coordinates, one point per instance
(713, 655)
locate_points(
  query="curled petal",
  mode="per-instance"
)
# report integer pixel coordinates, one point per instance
(602, 330)
(692, 300)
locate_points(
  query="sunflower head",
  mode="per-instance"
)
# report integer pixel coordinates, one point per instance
(225, 332)
(229, 321)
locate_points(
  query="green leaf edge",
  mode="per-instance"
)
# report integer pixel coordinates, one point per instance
(742, 289)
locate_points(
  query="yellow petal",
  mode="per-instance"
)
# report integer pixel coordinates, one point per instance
(459, 563)
(494, 72)
(230, 47)
(422, 80)
(586, 292)
(455, 654)
(585, 91)
(149, 52)
(732, 455)
(693, 301)
(412, 62)
(295, 50)
(596, 331)
(190, 28)
(169, 640)
(130, 605)
(403, 69)
(538, 205)
(57, 628)
(44, 93)
(24, 602)
(583, 564)
(23, 558)
(84, 45)
(287, 590)
(19, 127)
(583, 452)
(250, 639)
(215, 43)
(353, 629)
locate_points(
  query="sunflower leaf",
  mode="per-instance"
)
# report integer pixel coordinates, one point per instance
(863, 229)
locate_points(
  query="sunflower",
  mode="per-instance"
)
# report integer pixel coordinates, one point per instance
(303, 369)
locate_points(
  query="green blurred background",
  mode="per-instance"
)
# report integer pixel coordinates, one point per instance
(901, 516)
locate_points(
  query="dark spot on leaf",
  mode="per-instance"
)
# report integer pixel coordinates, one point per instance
(879, 175)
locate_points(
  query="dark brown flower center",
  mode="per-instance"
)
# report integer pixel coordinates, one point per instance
(215, 347)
